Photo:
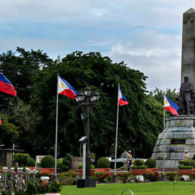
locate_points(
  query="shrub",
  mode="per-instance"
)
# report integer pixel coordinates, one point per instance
(47, 162)
(103, 176)
(172, 176)
(66, 162)
(150, 163)
(138, 162)
(22, 159)
(31, 162)
(125, 177)
(103, 162)
(184, 167)
(139, 167)
(81, 166)
(152, 176)
(31, 188)
(188, 162)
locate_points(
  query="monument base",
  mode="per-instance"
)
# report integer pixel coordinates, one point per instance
(82, 183)
(177, 137)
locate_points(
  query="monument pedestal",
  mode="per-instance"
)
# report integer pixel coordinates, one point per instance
(176, 138)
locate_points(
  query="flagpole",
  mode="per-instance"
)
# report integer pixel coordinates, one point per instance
(116, 140)
(56, 133)
(163, 172)
(164, 113)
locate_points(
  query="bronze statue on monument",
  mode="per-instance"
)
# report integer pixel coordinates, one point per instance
(185, 97)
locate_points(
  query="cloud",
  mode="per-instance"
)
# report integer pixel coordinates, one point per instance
(145, 34)
(158, 56)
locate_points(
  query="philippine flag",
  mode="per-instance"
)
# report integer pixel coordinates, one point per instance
(122, 99)
(64, 88)
(0, 121)
(170, 106)
(6, 86)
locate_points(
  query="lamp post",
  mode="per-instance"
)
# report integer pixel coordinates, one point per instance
(87, 99)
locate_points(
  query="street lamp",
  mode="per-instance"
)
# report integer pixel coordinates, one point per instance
(87, 99)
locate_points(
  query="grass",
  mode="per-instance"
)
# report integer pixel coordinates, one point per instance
(152, 188)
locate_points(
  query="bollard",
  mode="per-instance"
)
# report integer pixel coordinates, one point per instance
(5, 170)
(12, 179)
(34, 175)
(27, 175)
(19, 177)
(44, 180)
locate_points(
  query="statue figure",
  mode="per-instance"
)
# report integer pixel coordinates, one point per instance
(185, 97)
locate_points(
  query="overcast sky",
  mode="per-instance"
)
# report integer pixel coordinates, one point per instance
(145, 34)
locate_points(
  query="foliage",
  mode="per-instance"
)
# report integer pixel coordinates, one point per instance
(185, 167)
(52, 186)
(9, 132)
(81, 166)
(188, 162)
(47, 162)
(159, 95)
(193, 158)
(172, 176)
(150, 163)
(103, 162)
(32, 113)
(69, 177)
(102, 177)
(152, 176)
(32, 188)
(139, 167)
(125, 177)
(67, 161)
(138, 162)
(31, 162)
(23, 159)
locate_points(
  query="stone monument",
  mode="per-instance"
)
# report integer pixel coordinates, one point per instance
(179, 133)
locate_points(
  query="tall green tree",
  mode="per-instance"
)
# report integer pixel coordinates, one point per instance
(98, 72)
(33, 112)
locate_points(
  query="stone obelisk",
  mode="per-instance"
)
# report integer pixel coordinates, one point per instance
(188, 46)
(188, 51)
(178, 136)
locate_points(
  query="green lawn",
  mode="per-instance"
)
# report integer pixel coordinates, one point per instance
(152, 188)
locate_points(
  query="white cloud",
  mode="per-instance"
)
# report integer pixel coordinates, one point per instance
(158, 56)
(144, 34)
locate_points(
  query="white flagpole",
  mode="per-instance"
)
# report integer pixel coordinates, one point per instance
(116, 140)
(56, 135)
(163, 173)
(164, 113)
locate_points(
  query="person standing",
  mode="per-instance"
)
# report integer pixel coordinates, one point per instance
(129, 160)
(186, 155)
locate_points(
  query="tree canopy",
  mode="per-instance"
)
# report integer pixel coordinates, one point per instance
(33, 112)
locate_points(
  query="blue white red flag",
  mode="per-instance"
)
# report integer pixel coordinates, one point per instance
(122, 99)
(170, 106)
(0, 121)
(64, 88)
(6, 86)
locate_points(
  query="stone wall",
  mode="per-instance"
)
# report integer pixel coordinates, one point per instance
(76, 161)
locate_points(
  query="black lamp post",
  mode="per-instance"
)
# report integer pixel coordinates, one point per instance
(87, 99)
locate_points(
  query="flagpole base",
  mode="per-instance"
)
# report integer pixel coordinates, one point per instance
(114, 179)
(83, 183)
